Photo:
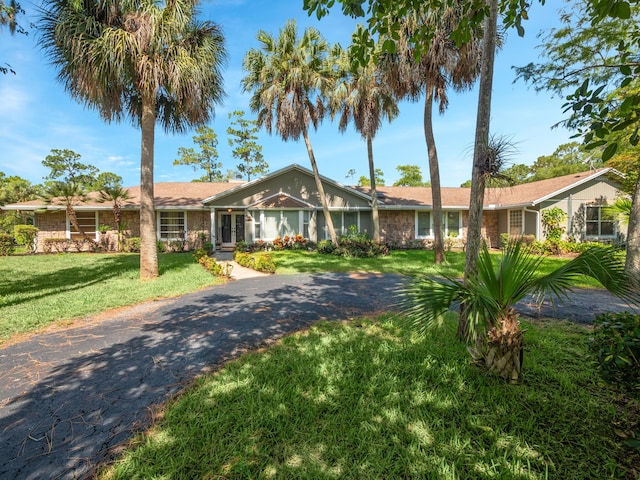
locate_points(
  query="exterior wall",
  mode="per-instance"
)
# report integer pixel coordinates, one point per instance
(531, 224)
(296, 184)
(601, 191)
(397, 226)
(51, 225)
(489, 228)
(199, 227)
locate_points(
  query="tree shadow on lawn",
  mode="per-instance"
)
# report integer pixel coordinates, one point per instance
(70, 398)
(43, 284)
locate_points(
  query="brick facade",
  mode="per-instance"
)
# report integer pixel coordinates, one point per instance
(398, 226)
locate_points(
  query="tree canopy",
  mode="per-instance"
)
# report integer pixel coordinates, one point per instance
(206, 158)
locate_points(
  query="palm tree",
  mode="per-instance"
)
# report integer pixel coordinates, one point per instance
(490, 295)
(287, 77)
(115, 194)
(68, 194)
(153, 62)
(444, 63)
(361, 95)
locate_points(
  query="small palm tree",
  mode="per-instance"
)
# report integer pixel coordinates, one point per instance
(68, 194)
(287, 78)
(116, 195)
(490, 297)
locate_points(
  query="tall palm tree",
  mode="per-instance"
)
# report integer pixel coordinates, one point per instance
(287, 77)
(491, 294)
(150, 61)
(442, 64)
(360, 94)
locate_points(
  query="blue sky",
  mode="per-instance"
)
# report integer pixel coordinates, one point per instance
(37, 115)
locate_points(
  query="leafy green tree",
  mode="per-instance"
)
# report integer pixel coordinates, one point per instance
(152, 62)
(366, 181)
(410, 176)
(594, 56)
(106, 179)
(246, 148)
(14, 189)
(287, 78)
(9, 12)
(568, 158)
(360, 95)
(491, 294)
(68, 182)
(206, 158)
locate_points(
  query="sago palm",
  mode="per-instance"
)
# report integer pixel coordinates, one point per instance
(490, 296)
(149, 61)
(287, 78)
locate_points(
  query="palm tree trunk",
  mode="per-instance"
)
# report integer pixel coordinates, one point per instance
(323, 197)
(503, 353)
(632, 264)
(148, 249)
(434, 172)
(374, 195)
(481, 146)
(73, 220)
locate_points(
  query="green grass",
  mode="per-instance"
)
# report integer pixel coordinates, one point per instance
(363, 400)
(38, 290)
(404, 262)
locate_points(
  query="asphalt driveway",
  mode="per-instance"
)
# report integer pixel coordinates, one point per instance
(70, 398)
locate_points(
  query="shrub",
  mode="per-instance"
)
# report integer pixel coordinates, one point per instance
(7, 244)
(552, 220)
(208, 247)
(59, 245)
(262, 263)
(161, 246)
(132, 244)
(326, 246)
(26, 235)
(615, 347)
(198, 253)
(176, 246)
(211, 265)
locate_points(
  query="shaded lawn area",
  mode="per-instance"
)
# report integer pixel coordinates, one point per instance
(361, 399)
(37, 290)
(405, 262)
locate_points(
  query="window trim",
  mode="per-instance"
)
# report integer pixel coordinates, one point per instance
(343, 230)
(159, 225)
(599, 222)
(445, 224)
(259, 219)
(509, 212)
(96, 233)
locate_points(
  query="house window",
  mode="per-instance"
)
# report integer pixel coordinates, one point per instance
(87, 221)
(342, 221)
(515, 222)
(172, 225)
(450, 224)
(600, 221)
(270, 224)
(423, 224)
(453, 223)
(305, 223)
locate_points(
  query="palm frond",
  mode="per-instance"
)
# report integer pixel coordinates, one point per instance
(604, 264)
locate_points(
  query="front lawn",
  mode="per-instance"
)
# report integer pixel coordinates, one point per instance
(36, 290)
(404, 262)
(361, 399)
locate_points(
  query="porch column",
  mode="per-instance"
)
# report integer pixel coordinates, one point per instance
(212, 222)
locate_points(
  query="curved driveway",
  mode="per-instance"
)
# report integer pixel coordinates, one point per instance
(70, 398)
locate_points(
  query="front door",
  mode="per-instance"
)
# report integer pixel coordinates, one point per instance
(231, 228)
